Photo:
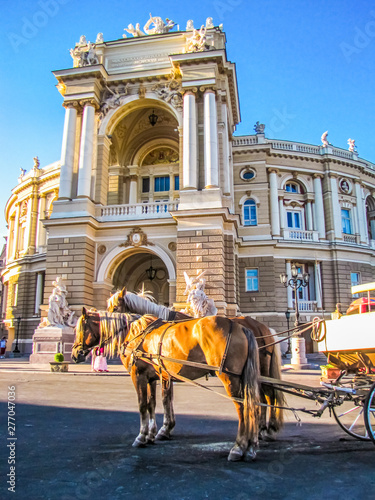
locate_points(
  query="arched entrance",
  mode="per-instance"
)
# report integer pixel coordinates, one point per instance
(143, 268)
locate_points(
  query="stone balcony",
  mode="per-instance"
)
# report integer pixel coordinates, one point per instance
(298, 235)
(160, 210)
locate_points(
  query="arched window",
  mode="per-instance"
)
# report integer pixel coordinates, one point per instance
(292, 187)
(250, 213)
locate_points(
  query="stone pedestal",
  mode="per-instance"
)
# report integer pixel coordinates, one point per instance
(298, 360)
(50, 340)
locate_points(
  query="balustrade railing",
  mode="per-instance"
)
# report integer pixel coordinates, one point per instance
(138, 211)
(295, 234)
(306, 305)
(249, 140)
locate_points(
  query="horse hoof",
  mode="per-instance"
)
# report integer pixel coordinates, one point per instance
(269, 437)
(138, 443)
(163, 436)
(251, 454)
(235, 455)
(150, 440)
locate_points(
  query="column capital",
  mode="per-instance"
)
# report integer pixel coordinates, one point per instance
(207, 90)
(332, 175)
(317, 176)
(42, 195)
(89, 102)
(70, 104)
(273, 170)
(190, 91)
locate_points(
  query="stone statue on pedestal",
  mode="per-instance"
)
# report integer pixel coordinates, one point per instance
(59, 313)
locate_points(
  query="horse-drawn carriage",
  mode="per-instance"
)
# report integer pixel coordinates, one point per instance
(189, 349)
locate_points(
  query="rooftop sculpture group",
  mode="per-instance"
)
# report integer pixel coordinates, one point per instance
(84, 53)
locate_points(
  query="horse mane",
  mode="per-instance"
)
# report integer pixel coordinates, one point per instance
(79, 330)
(113, 331)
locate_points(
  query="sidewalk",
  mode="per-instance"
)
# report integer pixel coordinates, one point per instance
(116, 368)
(22, 365)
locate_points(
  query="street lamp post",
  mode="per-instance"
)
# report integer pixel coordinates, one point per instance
(16, 350)
(287, 316)
(298, 342)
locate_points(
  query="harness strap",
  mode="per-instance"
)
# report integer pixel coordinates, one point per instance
(226, 348)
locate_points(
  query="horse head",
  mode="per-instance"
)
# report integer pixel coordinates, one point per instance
(87, 335)
(116, 302)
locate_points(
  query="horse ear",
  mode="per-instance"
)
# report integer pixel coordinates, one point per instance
(84, 311)
(123, 292)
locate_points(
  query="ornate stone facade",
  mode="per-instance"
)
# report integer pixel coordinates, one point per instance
(152, 183)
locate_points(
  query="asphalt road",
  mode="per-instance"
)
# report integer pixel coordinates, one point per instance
(74, 436)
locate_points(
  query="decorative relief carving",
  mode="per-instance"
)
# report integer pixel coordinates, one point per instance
(345, 186)
(170, 92)
(136, 238)
(102, 249)
(112, 98)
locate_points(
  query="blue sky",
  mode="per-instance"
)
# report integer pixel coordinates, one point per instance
(303, 67)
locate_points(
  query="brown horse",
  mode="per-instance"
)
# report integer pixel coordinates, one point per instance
(150, 354)
(269, 353)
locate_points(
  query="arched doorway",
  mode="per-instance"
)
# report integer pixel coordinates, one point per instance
(143, 268)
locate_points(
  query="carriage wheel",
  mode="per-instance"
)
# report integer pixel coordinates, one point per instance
(351, 418)
(369, 413)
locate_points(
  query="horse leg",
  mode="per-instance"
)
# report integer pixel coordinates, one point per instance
(263, 414)
(168, 420)
(232, 384)
(151, 404)
(140, 383)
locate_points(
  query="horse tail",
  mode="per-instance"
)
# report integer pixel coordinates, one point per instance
(250, 388)
(278, 396)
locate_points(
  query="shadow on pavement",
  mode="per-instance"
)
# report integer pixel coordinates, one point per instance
(68, 453)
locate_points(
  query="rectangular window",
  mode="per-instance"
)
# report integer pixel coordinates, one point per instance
(294, 220)
(161, 184)
(176, 182)
(345, 220)
(145, 184)
(252, 281)
(355, 279)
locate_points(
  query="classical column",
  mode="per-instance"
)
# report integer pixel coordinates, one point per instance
(226, 185)
(274, 202)
(39, 292)
(189, 161)
(309, 222)
(336, 209)
(282, 213)
(318, 285)
(211, 160)
(16, 231)
(11, 240)
(319, 207)
(41, 234)
(133, 188)
(361, 213)
(67, 152)
(86, 151)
